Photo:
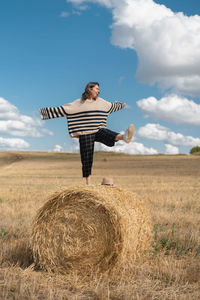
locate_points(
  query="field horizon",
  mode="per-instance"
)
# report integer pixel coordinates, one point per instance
(170, 188)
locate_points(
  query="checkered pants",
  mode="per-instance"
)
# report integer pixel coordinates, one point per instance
(104, 136)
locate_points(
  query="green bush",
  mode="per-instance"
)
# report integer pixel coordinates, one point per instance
(195, 150)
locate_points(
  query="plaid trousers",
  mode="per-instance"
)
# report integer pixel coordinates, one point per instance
(104, 136)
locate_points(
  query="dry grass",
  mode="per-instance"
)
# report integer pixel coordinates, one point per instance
(170, 187)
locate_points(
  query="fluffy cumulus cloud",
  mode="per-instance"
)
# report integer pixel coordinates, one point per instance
(15, 124)
(167, 43)
(13, 144)
(171, 149)
(172, 108)
(122, 147)
(161, 133)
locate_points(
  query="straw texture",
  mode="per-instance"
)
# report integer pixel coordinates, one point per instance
(90, 228)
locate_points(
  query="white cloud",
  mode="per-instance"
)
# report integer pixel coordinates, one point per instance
(15, 124)
(58, 148)
(64, 14)
(122, 147)
(161, 133)
(13, 144)
(171, 149)
(167, 43)
(171, 108)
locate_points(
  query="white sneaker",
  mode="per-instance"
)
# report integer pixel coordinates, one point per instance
(129, 133)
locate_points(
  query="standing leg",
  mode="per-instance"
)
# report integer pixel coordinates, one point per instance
(86, 151)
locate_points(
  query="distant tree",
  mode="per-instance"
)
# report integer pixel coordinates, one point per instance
(195, 150)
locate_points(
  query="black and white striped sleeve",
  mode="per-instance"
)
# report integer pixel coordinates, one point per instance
(115, 106)
(52, 112)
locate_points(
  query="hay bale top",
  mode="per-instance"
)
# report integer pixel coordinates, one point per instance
(90, 227)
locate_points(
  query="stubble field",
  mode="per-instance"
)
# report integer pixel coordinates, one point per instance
(170, 187)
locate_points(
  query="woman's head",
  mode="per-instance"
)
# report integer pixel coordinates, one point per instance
(91, 91)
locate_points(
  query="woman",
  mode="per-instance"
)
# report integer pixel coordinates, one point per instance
(86, 119)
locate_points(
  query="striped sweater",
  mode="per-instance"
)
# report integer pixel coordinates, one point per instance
(83, 117)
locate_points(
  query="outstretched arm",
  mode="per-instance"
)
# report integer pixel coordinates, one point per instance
(115, 106)
(52, 112)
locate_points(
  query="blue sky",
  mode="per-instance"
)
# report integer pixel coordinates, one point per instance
(143, 52)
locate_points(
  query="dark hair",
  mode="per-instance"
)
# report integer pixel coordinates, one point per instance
(86, 93)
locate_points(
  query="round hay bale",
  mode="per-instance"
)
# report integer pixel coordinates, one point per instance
(90, 228)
